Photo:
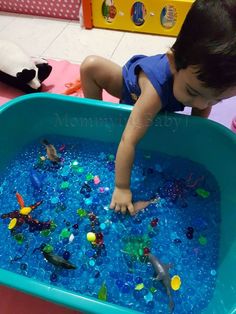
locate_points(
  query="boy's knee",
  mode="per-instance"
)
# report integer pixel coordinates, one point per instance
(89, 65)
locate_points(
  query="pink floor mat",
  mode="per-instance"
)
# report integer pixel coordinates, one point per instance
(64, 72)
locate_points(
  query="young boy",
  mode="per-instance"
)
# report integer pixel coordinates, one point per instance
(198, 71)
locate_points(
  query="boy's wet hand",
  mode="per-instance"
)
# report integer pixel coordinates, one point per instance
(122, 201)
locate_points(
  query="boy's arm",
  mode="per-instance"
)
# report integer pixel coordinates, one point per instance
(145, 109)
(201, 113)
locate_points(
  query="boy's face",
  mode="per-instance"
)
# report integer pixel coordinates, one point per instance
(190, 91)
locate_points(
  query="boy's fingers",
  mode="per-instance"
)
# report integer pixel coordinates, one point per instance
(112, 205)
(123, 209)
(131, 209)
(117, 208)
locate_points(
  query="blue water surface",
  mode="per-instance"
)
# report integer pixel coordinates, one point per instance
(181, 227)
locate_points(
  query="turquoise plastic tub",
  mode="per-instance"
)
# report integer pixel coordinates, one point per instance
(33, 116)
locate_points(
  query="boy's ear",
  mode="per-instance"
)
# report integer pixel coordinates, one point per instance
(171, 59)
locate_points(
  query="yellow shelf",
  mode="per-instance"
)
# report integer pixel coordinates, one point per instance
(147, 16)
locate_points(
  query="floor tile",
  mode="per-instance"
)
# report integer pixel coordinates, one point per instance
(6, 19)
(74, 43)
(136, 43)
(34, 34)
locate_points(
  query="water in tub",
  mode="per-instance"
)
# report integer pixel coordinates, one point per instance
(56, 226)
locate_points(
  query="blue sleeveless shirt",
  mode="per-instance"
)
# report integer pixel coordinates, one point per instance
(157, 70)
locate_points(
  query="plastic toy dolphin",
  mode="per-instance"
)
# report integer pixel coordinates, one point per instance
(162, 274)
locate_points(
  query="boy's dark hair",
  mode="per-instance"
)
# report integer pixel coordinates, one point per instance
(208, 40)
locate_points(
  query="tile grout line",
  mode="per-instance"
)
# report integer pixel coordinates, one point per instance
(69, 23)
(117, 45)
(74, 62)
(2, 29)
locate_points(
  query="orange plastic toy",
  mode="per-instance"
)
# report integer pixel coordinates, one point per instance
(73, 88)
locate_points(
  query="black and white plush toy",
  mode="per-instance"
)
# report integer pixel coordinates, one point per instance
(19, 70)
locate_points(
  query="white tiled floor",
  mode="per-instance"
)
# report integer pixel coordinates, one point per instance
(66, 40)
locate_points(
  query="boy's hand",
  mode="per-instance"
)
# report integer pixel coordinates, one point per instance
(122, 200)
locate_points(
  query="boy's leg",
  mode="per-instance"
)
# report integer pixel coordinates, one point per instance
(97, 73)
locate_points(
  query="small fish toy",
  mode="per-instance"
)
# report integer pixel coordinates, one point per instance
(162, 274)
(51, 152)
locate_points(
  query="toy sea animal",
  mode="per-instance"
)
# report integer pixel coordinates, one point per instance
(51, 152)
(54, 259)
(175, 189)
(162, 274)
(135, 246)
(58, 260)
(36, 180)
(143, 204)
(73, 88)
(25, 210)
(21, 216)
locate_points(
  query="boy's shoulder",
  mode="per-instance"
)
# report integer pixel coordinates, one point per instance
(156, 66)
(157, 70)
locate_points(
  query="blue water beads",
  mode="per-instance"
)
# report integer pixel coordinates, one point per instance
(76, 195)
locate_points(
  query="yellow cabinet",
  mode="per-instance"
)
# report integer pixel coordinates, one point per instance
(146, 16)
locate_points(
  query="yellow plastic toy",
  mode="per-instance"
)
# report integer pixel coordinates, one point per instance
(25, 210)
(146, 16)
(91, 236)
(12, 224)
(175, 282)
